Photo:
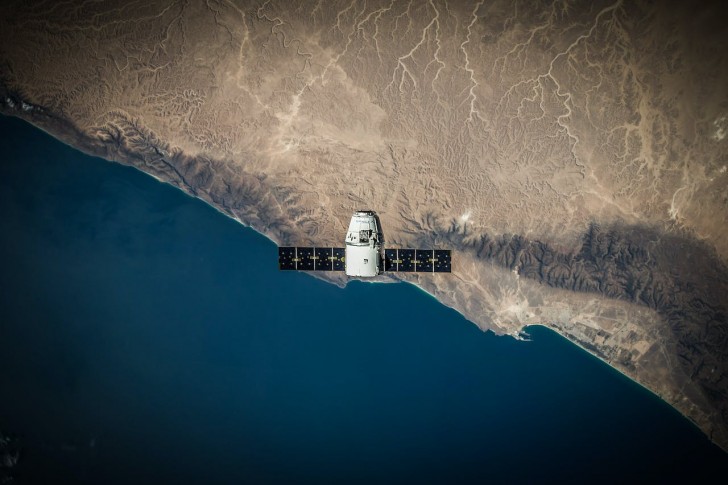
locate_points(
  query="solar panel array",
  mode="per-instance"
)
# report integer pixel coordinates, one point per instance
(310, 259)
(418, 260)
(296, 258)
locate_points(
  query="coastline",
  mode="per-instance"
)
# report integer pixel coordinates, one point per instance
(625, 375)
(64, 131)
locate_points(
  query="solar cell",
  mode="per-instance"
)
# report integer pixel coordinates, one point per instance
(390, 260)
(305, 259)
(443, 261)
(286, 256)
(424, 260)
(339, 256)
(406, 260)
(323, 259)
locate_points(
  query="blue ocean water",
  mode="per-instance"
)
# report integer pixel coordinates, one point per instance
(146, 338)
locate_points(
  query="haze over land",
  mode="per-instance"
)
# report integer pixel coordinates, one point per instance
(573, 155)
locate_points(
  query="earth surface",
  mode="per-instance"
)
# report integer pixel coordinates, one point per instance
(573, 155)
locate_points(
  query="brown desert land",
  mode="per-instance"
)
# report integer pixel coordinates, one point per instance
(572, 154)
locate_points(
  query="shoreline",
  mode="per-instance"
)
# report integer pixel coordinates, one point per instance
(58, 128)
(622, 374)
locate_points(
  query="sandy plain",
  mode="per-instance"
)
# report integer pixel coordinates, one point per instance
(572, 154)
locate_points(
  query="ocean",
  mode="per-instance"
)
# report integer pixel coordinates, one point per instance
(147, 338)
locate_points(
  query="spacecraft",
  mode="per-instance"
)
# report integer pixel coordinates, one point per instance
(363, 254)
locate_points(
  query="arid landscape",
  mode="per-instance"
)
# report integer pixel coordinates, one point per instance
(572, 154)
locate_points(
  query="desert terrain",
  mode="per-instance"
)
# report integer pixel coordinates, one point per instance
(572, 154)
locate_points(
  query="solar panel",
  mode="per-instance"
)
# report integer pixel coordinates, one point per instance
(333, 259)
(339, 256)
(419, 260)
(424, 260)
(406, 260)
(390, 260)
(324, 260)
(305, 259)
(286, 256)
(443, 261)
